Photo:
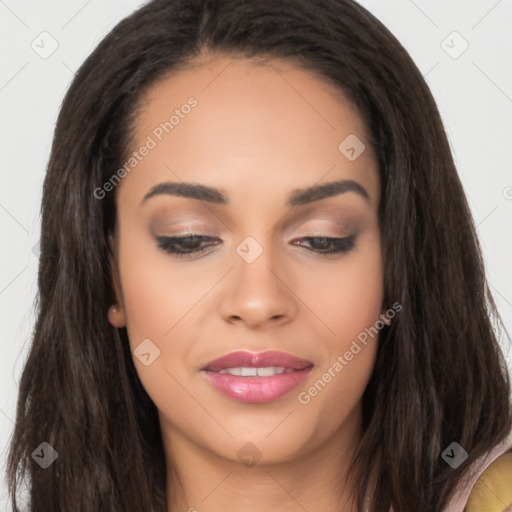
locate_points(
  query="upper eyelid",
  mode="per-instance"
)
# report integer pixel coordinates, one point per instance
(338, 215)
(345, 227)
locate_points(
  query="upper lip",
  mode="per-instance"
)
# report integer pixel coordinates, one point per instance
(257, 360)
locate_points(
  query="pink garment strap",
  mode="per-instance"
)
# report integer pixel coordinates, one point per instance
(464, 488)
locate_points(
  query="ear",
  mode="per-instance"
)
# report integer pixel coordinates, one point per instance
(116, 313)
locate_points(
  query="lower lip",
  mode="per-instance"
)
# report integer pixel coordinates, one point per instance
(257, 390)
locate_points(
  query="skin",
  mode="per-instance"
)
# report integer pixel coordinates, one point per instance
(259, 131)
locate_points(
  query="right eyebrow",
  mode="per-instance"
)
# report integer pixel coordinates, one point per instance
(310, 194)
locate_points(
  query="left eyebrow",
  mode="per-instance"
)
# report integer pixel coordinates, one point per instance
(297, 197)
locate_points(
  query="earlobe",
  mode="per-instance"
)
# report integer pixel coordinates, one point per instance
(116, 316)
(116, 312)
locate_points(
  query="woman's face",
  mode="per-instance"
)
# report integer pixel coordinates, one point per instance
(255, 138)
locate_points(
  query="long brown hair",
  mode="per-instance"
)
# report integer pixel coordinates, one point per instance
(439, 376)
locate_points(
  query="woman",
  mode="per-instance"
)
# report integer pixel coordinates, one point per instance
(260, 285)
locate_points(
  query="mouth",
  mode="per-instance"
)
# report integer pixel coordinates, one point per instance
(256, 378)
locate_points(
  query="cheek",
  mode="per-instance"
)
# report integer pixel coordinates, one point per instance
(159, 307)
(159, 304)
(360, 295)
(347, 295)
(348, 300)
(159, 297)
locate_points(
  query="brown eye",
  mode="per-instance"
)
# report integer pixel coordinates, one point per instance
(330, 245)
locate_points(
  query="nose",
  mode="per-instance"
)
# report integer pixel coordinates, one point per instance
(258, 293)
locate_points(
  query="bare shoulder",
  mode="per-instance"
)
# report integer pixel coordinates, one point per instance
(492, 492)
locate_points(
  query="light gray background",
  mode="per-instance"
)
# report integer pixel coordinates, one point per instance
(473, 92)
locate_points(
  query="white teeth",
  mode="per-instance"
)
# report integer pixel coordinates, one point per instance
(268, 371)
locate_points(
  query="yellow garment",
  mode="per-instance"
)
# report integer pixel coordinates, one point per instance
(492, 492)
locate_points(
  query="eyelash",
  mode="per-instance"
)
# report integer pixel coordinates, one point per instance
(168, 243)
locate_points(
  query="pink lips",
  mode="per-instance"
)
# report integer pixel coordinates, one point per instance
(257, 389)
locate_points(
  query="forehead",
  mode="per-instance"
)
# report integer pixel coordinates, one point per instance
(255, 127)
